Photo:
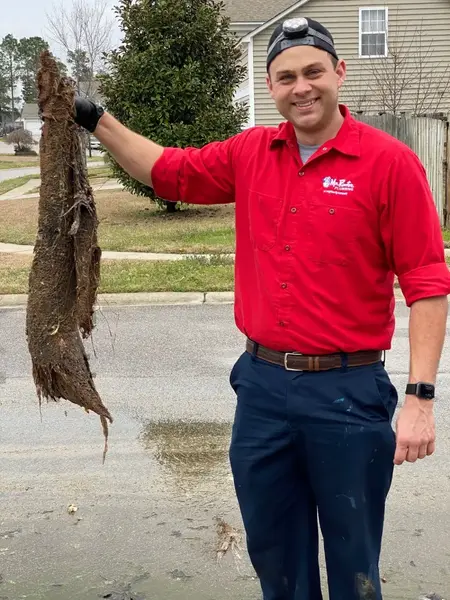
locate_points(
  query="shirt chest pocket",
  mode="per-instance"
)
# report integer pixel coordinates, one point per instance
(264, 217)
(333, 233)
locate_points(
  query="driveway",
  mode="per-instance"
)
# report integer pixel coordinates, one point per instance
(6, 148)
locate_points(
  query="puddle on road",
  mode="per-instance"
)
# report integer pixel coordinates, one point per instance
(189, 450)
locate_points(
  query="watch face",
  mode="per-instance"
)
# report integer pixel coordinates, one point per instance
(426, 391)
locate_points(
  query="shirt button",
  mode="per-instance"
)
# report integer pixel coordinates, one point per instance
(301, 173)
(287, 248)
(293, 210)
(331, 211)
(324, 149)
(281, 323)
(284, 286)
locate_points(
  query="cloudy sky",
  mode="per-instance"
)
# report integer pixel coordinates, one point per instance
(26, 18)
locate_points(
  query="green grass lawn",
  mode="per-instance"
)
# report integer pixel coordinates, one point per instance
(100, 172)
(131, 223)
(6, 164)
(189, 275)
(11, 184)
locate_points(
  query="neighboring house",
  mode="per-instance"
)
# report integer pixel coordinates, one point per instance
(31, 121)
(30, 112)
(247, 15)
(397, 52)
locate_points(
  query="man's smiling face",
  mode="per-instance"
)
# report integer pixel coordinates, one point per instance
(304, 82)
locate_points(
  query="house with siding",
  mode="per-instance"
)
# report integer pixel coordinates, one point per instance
(397, 52)
(30, 120)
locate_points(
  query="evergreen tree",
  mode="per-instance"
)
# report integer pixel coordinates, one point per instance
(29, 52)
(5, 104)
(79, 63)
(9, 51)
(173, 78)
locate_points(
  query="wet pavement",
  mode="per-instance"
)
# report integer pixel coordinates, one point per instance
(145, 522)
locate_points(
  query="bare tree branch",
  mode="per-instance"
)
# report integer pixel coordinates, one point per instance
(409, 79)
(83, 29)
(433, 80)
(358, 92)
(391, 76)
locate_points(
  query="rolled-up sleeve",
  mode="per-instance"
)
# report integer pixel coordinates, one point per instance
(197, 175)
(411, 230)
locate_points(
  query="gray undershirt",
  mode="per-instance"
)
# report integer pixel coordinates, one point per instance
(307, 151)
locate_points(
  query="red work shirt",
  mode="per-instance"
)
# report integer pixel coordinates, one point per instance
(318, 244)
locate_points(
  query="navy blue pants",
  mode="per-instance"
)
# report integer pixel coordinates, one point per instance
(309, 449)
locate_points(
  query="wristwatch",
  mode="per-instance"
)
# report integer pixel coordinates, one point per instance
(424, 391)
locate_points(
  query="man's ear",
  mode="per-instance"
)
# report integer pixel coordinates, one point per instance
(269, 84)
(341, 71)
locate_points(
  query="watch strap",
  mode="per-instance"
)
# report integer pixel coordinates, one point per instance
(424, 391)
(411, 389)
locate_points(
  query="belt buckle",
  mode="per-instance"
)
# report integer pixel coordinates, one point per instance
(286, 355)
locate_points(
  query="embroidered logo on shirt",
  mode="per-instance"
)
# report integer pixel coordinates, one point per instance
(337, 186)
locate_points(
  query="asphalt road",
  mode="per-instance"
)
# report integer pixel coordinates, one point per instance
(145, 526)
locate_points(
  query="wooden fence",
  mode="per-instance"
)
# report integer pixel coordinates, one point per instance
(429, 138)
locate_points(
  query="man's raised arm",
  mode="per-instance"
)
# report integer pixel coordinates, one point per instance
(194, 175)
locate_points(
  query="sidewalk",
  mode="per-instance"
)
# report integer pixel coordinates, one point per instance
(20, 193)
(111, 255)
(22, 190)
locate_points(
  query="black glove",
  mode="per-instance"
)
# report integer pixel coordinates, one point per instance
(87, 114)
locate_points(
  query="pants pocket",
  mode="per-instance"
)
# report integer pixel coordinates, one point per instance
(236, 370)
(385, 389)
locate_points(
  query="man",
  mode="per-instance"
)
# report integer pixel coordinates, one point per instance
(327, 210)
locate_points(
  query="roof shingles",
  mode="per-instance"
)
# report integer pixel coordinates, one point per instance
(255, 11)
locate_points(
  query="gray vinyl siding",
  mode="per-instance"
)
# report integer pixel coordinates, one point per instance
(243, 90)
(242, 29)
(360, 92)
(244, 62)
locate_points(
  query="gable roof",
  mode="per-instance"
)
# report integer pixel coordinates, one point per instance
(30, 111)
(254, 11)
(274, 19)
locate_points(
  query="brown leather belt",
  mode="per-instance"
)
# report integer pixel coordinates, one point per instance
(294, 361)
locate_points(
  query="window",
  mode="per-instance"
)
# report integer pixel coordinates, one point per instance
(373, 32)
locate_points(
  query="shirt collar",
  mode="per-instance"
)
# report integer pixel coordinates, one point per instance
(347, 140)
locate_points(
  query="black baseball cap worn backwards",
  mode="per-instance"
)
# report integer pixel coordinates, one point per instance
(299, 32)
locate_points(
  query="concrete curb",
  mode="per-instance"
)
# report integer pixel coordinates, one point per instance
(149, 299)
(138, 299)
